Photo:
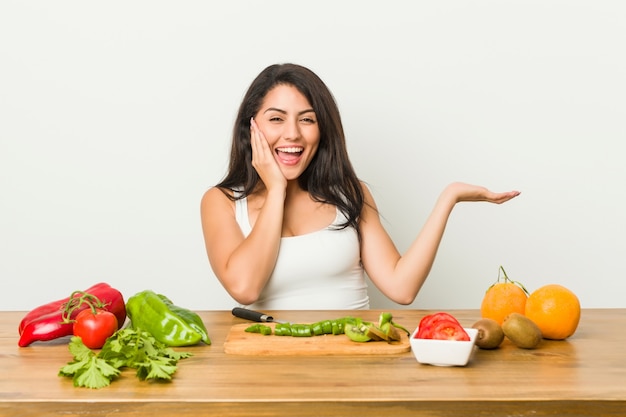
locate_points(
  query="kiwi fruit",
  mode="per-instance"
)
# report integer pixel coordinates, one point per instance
(490, 334)
(376, 334)
(521, 330)
(357, 332)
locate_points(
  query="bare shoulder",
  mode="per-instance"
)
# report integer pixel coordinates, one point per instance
(369, 212)
(367, 196)
(215, 199)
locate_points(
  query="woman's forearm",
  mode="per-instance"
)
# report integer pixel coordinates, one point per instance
(249, 266)
(402, 280)
(413, 267)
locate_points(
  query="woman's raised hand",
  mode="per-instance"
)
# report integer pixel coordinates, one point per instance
(263, 159)
(468, 192)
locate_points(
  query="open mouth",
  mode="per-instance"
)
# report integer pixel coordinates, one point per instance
(289, 155)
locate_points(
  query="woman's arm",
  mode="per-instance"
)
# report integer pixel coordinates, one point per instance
(244, 264)
(400, 277)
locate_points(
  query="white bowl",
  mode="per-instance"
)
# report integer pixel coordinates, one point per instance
(443, 352)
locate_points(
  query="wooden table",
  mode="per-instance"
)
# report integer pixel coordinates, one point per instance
(582, 376)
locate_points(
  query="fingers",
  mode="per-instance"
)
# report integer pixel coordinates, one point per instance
(260, 147)
(255, 141)
(500, 198)
(469, 192)
(263, 158)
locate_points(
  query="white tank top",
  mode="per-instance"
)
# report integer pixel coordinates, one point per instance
(316, 271)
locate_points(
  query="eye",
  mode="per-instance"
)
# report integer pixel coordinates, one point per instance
(308, 120)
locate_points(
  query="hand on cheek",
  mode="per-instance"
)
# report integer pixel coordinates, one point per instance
(263, 158)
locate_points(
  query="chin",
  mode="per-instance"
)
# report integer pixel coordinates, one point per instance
(291, 175)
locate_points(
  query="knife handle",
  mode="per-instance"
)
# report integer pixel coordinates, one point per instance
(244, 313)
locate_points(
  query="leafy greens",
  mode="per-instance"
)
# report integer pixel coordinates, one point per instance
(131, 348)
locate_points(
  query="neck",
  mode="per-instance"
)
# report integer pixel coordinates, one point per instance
(293, 187)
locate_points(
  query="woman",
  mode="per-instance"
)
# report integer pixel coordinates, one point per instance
(291, 226)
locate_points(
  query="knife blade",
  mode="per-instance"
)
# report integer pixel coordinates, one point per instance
(257, 316)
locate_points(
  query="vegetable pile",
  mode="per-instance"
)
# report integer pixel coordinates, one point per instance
(95, 318)
(355, 328)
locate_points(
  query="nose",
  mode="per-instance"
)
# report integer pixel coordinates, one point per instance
(291, 130)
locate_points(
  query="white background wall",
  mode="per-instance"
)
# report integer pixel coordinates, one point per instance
(115, 117)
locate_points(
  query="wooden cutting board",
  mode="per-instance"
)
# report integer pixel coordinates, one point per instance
(240, 342)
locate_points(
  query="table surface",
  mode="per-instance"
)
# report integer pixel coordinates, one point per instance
(583, 375)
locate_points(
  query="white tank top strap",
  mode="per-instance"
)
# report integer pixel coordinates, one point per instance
(241, 215)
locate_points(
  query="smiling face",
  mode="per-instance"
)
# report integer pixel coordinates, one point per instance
(289, 124)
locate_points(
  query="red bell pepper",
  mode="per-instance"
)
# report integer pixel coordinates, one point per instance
(50, 321)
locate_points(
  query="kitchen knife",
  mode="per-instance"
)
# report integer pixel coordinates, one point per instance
(247, 314)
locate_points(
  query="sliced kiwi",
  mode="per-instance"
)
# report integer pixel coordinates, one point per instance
(375, 333)
(390, 330)
(357, 332)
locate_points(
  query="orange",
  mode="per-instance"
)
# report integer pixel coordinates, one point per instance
(555, 310)
(502, 299)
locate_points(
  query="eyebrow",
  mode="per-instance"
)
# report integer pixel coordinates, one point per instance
(284, 112)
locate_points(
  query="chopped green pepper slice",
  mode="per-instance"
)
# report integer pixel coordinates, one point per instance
(301, 330)
(317, 329)
(259, 328)
(282, 329)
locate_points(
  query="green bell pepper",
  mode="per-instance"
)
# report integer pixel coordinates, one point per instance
(168, 323)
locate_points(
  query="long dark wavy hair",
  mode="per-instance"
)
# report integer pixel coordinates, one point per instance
(330, 177)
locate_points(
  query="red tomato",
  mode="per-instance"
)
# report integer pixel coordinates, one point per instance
(449, 330)
(94, 329)
(428, 322)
